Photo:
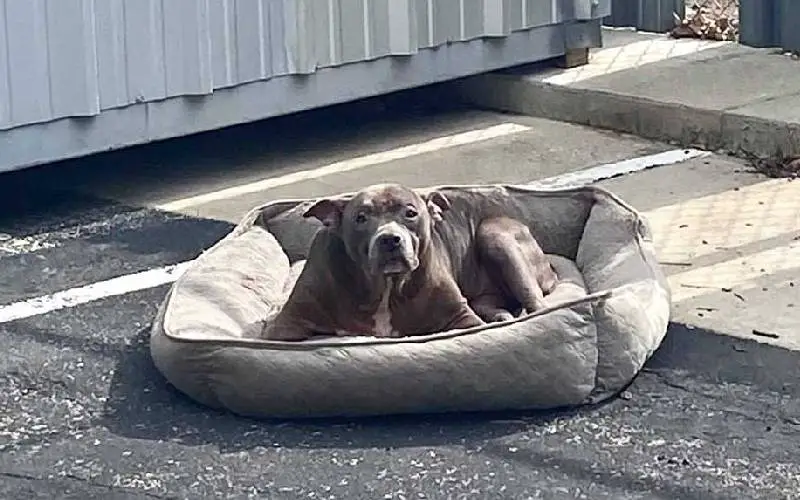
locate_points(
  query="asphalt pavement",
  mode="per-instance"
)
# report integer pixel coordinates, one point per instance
(715, 413)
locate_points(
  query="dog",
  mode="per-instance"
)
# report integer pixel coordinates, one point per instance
(387, 264)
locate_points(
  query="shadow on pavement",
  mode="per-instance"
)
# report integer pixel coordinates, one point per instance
(143, 405)
(710, 357)
(583, 470)
(282, 141)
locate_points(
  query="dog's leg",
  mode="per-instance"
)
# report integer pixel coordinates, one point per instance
(509, 247)
(456, 307)
(285, 332)
(284, 326)
(490, 307)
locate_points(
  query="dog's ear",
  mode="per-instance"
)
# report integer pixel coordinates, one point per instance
(328, 211)
(437, 204)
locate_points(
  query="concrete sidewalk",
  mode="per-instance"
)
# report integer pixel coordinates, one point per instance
(713, 95)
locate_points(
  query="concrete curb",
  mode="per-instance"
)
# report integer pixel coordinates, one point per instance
(671, 122)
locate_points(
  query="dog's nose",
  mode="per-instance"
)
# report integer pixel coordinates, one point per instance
(389, 242)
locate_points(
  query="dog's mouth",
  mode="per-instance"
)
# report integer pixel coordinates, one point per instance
(394, 265)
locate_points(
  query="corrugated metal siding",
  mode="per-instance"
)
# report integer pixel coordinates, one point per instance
(48, 64)
(770, 23)
(112, 71)
(187, 47)
(26, 43)
(63, 58)
(5, 76)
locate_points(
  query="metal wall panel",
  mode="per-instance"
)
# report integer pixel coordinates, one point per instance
(424, 26)
(251, 54)
(187, 47)
(540, 12)
(499, 24)
(487, 18)
(72, 58)
(144, 50)
(26, 38)
(646, 15)
(302, 17)
(402, 24)
(78, 57)
(112, 71)
(562, 10)
(473, 18)
(324, 24)
(334, 44)
(274, 38)
(516, 15)
(770, 23)
(222, 31)
(352, 26)
(5, 74)
(448, 17)
(759, 22)
(377, 29)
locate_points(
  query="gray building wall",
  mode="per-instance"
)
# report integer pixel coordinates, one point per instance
(77, 59)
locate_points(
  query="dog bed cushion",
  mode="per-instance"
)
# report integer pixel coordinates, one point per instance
(606, 317)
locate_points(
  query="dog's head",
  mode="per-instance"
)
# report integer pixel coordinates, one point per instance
(384, 226)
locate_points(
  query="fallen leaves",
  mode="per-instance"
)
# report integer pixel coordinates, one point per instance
(777, 167)
(711, 20)
(761, 333)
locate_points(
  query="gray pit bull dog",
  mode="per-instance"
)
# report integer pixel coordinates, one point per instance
(386, 264)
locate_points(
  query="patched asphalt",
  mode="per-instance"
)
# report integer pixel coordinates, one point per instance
(86, 415)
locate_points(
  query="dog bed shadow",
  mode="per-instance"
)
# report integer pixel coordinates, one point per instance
(141, 404)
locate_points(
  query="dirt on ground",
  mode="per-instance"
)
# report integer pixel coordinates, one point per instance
(777, 167)
(709, 20)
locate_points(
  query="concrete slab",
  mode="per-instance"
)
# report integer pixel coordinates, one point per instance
(783, 109)
(739, 313)
(710, 79)
(691, 92)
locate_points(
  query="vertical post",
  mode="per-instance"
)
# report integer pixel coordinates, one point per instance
(646, 15)
(789, 16)
(623, 13)
(658, 15)
(759, 22)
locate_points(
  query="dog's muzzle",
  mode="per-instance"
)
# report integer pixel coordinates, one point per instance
(391, 250)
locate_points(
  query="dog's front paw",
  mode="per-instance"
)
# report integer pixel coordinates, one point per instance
(501, 316)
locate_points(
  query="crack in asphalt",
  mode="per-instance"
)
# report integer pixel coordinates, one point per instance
(109, 488)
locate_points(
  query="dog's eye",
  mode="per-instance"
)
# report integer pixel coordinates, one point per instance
(361, 218)
(411, 213)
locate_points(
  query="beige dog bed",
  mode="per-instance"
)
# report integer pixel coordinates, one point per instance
(606, 317)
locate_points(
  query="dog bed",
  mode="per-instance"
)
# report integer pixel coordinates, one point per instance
(605, 318)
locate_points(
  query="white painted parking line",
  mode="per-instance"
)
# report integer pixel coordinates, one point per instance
(161, 276)
(349, 165)
(611, 170)
(54, 239)
(83, 295)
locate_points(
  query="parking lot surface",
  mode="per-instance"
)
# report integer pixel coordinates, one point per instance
(715, 413)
